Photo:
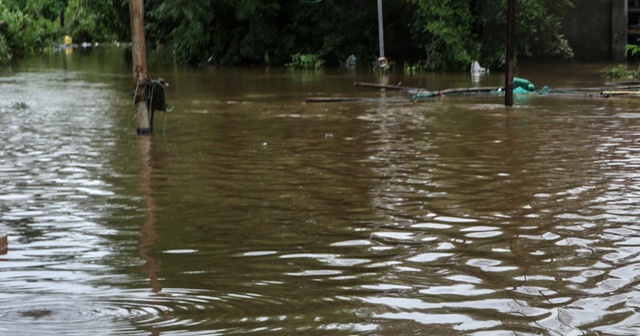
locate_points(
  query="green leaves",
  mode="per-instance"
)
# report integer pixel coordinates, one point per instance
(241, 32)
(434, 34)
(306, 62)
(25, 32)
(97, 20)
(632, 50)
(455, 33)
(5, 52)
(445, 30)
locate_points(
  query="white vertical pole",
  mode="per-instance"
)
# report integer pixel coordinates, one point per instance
(380, 29)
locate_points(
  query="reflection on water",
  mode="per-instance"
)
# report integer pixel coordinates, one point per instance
(257, 214)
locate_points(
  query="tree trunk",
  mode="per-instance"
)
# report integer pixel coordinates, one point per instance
(139, 54)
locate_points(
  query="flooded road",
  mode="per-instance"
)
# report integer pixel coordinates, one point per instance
(250, 212)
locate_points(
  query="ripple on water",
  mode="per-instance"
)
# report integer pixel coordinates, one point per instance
(130, 312)
(50, 314)
(429, 257)
(330, 259)
(441, 218)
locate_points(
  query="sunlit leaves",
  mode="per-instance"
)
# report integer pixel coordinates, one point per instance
(25, 31)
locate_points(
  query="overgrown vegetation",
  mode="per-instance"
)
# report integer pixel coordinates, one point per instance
(633, 50)
(96, 20)
(32, 26)
(455, 33)
(306, 62)
(5, 52)
(413, 68)
(622, 71)
(241, 32)
(430, 34)
(25, 28)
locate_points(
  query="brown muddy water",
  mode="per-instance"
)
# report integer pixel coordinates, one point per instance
(249, 212)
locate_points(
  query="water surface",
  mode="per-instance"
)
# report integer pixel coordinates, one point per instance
(250, 212)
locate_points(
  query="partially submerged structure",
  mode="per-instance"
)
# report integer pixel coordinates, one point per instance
(601, 29)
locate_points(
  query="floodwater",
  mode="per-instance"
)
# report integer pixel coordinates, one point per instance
(248, 212)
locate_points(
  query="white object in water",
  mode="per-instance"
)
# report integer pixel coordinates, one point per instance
(352, 61)
(477, 69)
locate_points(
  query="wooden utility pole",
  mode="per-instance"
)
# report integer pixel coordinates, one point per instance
(139, 53)
(511, 37)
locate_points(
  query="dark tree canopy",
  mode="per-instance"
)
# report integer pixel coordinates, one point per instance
(439, 34)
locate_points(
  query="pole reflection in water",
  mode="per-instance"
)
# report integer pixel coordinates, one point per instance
(148, 231)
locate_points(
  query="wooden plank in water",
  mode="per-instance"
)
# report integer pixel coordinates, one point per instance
(621, 93)
(471, 90)
(388, 87)
(573, 95)
(337, 99)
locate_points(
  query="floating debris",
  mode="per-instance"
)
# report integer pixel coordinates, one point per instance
(36, 313)
(19, 106)
(521, 87)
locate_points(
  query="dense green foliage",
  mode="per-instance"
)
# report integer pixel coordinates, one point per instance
(5, 52)
(27, 27)
(231, 32)
(306, 62)
(31, 26)
(433, 34)
(455, 33)
(97, 20)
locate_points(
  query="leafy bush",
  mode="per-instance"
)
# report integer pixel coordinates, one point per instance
(412, 69)
(454, 33)
(633, 50)
(306, 62)
(444, 29)
(97, 20)
(241, 32)
(25, 33)
(616, 71)
(622, 71)
(438, 34)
